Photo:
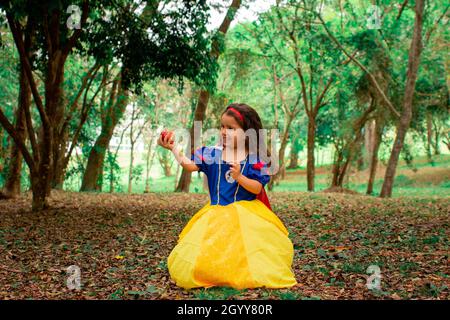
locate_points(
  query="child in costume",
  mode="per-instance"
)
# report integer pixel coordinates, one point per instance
(235, 240)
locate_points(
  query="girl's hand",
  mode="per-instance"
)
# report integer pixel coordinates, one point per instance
(235, 170)
(166, 140)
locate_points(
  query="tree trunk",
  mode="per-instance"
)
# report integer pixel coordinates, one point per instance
(62, 136)
(130, 169)
(3, 152)
(310, 166)
(41, 180)
(92, 178)
(111, 176)
(185, 178)
(12, 186)
(94, 168)
(59, 167)
(369, 140)
(293, 161)
(429, 136)
(402, 128)
(151, 155)
(60, 142)
(39, 187)
(149, 163)
(338, 157)
(281, 152)
(437, 151)
(53, 84)
(295, 149)
(147, 170)
(374, 155)
(360, 161)
(165, 165)
(350, 147)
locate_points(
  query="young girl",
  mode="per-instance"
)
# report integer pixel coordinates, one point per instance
(235, 240)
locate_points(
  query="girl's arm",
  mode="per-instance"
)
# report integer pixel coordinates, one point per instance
(167, 142)
(251, 185)
(185, 162)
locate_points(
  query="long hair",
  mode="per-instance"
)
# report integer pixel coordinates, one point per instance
(250, 120)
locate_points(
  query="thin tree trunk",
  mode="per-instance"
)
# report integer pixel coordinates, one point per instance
(405, 119)
(94, 168)
(338, 157)
(185, 178)
(374, 155)
(12, 186)
(92, 178)
(429, 136)
(281, 152)
(351, 146)
(148, 164)
(147, 184)
(3, 151)
(147, 168)
(130, 168)
(111, 178)
(293, 161)
(310, 166)
(437, 151)
(62, 153)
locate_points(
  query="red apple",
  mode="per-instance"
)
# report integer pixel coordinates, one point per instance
(164, 134)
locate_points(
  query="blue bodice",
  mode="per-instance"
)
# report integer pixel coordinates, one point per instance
(223, 189)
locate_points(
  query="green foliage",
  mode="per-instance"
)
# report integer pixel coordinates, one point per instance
(137, 172)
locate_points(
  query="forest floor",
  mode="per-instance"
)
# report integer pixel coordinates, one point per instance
(121, 243)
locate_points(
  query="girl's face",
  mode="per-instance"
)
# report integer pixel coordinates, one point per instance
(230, 131)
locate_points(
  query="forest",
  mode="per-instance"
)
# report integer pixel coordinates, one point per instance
(357, 90)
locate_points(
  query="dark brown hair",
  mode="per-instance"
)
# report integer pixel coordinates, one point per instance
(251, 120)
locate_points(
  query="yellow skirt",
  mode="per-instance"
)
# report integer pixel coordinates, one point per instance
(240, 245)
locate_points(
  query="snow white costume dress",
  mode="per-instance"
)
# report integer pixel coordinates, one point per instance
(235, 240)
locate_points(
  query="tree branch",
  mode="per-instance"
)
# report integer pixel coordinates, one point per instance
(19, 142)
(17, 35)
(361, 66)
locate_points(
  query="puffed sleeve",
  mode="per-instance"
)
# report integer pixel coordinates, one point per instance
(199, 159)
(258, 171)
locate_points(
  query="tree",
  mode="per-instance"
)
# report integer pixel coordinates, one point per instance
(403, 125)
(166, 52)
(290, 34)
(111, 112)
(137, 125)
(12, 185)
(404, 117)
(56, 42)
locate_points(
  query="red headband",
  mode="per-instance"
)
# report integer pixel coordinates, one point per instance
(237, 113)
